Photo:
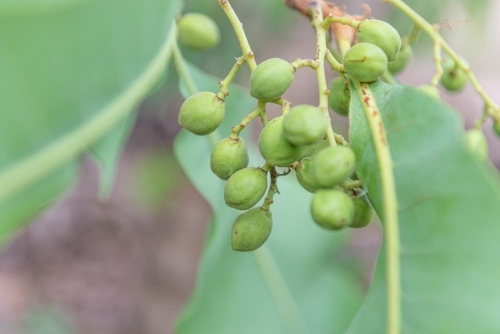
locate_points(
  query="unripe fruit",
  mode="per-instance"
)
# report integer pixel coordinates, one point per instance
(332, 209)
(334, 165)
(304, 125)
(496, 128)
(340, 96)
(305, 174)
(307, 151)
(454, 78)
(245, 188)
(271, 79)
(382, 34)
(198, 31)
(228, 156)
(274, 147)
(201, 113)
(365, 62)
(363, 213)
(402, 60)
(477, 144)
(251, 229)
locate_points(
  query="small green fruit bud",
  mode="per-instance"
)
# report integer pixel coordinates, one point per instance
(201, 113)
(251, 229)
(402, 60)
(198, 31)
(274, 147)
(365, 62)
(305, 174)
(334, 165)
(332, 209)
(363, 213)
(228, 156)
(340, 96)
(382, 34)
(271, 79)
(245, 188)
(304, 125)
(477, 144)
(454, 79)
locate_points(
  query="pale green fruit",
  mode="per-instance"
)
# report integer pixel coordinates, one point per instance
(365, 62)
(201, 113)
(334, 165)
(402, 60)
(251, 229)
(363, 213)
(381, 34)
(245, 188)
(228, 156)
(305, 174)
(307, 151)
(304, 125)
(339, 97)
(198, 31)
(274, 147)
(477, 144)
(271, 79)
(454, 79)
(332, 209)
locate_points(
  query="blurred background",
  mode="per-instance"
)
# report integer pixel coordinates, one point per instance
(128, 264)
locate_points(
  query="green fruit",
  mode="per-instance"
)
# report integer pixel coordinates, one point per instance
(228, 156)
(363, 213)
(305, 174)
(381, 34)
(477, 144)
(201, 113)
(334, 165)
(245, 188)
(304, 125)
(496, 128)
(271, 79)
(274, 147)
(198, 31)
(340, 96)
(251, 229)
(307, 151)
(402, 60)
(454, 78)
(365, 62)
(332, 209)
(430, 90)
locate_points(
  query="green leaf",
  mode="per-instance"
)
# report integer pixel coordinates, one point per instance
(295, 283)
(71, 72)
(449, 215)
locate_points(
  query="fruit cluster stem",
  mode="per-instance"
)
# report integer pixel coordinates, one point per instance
(439, 64)
(224, 84)
(273, 189)
(390, 206)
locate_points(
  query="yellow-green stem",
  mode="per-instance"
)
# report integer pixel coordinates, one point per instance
(439, 66)
(334, 63)
(224, 84)
(390, 206)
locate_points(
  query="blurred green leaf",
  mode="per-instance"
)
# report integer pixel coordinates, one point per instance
(70, 72)
(294, 283)
(449, 218)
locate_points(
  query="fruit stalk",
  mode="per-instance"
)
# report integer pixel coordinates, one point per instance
(390, 206)
(230, 76)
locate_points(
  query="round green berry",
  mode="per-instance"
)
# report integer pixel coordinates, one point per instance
(454, 79)
(271, 79)
(332, 209)
(304, 125)
(365, 62)
(198, 31)
(201, 113)
(381, 34)
(251, 229)
(274, 147)
(363, 213)
(245, 188)
(402, 60)
(496, 128)
(228, 156)
(305, 174)
(477, 144)
(334, 165)
(340, 96)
